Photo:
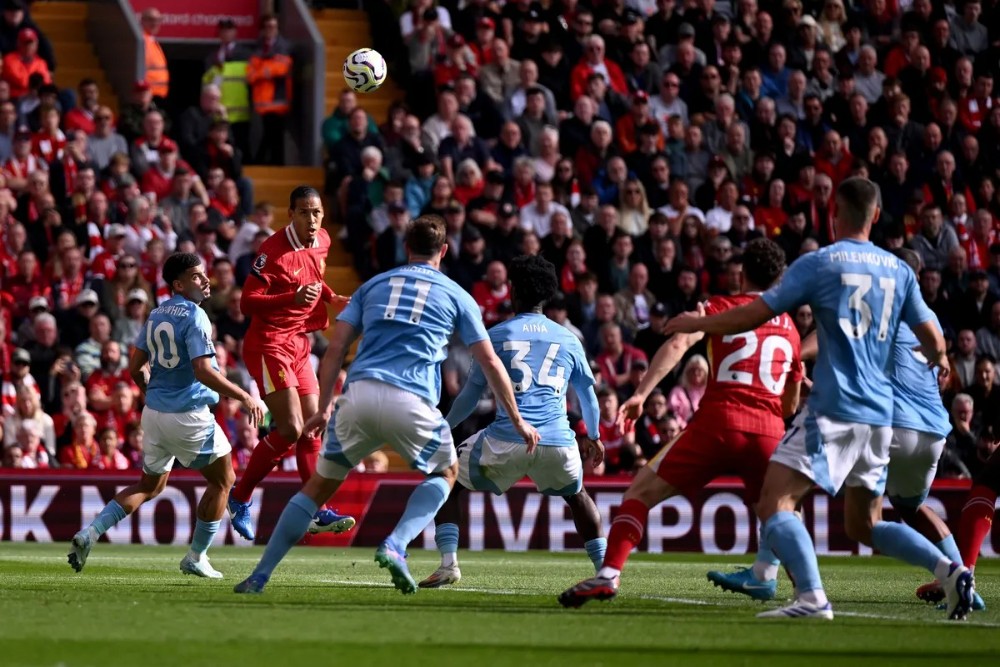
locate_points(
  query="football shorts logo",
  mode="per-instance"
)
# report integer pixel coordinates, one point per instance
(281, 376)
(259, 263)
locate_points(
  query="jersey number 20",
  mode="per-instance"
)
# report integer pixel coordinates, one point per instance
(521, 349)
(771, 344)
(162, 345)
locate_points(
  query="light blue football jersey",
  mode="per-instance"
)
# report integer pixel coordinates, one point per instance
(541, 358)
(177, 332)
(859, 294)
(406, 317)
(916, 401)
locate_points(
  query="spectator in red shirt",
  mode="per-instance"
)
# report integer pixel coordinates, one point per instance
(82, 451)
(491, 292)
(621, 453)
(88, 101)
(49, 142)
(110, 456)
(833, 158)
(72, 282)
(145, 150)
(102, 382)
(105, 265)
(594, 62)
(458, 59)
(974, 108)
(159, 178)
(19, 65)
(22, 162)
(122, 412)
(977, 245)
(26, 284)
(616, 357)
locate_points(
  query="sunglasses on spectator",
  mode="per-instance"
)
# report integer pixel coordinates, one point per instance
(128, 265)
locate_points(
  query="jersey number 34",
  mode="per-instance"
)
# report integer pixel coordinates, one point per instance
(545, 378)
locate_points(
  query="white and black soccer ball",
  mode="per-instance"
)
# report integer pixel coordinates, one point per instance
(365, 70)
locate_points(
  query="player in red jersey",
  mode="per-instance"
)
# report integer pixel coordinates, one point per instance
(755, 383)
(285, 297)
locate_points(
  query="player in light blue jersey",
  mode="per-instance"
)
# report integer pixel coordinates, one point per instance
(405, 317)
(183, 381)
(920, 425)
(542, 359)
(859, 295)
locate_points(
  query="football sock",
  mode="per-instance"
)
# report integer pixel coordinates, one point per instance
(108, 517)
(306, 453)
(446, 538)
(204, 533)
(626, 533)
(596, 548)
(976, 522)
(902, 542)
(266, 455)
(949, 548)
(289, 530)
(789, 539)
(424, 503)
(765, 566)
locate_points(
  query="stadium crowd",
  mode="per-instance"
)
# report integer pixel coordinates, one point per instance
(637, 145)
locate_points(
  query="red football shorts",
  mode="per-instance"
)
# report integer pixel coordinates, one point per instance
(275, 369)
(697, 456)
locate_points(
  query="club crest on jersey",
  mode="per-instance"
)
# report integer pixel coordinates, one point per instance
(258, 264)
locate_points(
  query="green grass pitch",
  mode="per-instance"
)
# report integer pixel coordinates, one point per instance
(131, 606)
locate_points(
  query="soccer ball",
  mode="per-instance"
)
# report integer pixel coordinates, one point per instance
(365, 70)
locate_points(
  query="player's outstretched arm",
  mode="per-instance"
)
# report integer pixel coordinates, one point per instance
(499, 382)
(329, 370)
(138, 368)
(216, 381)
(664, 361)
(733, 321)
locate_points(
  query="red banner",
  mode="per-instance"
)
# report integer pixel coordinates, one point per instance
(196, 19)
(49, 506)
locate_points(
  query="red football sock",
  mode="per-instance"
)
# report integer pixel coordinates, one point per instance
(626, 533)
(975, 524)
(306, 454)
(266, 455)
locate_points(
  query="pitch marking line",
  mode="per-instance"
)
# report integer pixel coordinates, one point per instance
(660, 598)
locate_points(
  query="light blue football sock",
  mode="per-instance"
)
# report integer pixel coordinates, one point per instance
(950, 550)
(902, 542)
(789, 539)
(446, 539)
(424, 503)
(289, 530)
(109, 516)
(204, 533)
(765, 565)
(596, 549)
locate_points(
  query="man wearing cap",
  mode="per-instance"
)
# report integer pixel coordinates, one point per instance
(640, 115)
(14, 19)
(227, 69)
(26, 332)
(19, 375)
(106, 263)
(19, 65)
(132, 117)
(482, 45)
(159, 178)
(390, 250)
(505, 237)
(458, 59)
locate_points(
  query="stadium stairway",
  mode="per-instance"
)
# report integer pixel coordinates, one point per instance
(344, 31)
(63, 23)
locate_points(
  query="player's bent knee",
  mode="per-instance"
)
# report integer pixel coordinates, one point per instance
(859, 528)
(290, 430)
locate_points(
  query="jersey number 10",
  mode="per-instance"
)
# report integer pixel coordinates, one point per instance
(162, 344)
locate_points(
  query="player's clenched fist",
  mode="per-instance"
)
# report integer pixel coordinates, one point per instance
(308, 293)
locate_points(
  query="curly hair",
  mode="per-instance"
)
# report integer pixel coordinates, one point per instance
(177, 264)
(763, 262)
(533, 279)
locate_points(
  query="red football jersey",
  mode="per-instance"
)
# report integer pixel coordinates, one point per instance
(281, 267)
(748, 373)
